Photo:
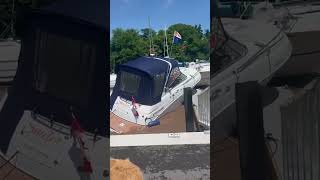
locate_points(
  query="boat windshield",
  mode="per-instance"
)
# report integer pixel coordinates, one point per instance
(129, 83)
(225, 49)
(175, 78)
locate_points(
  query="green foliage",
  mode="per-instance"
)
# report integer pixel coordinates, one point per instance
(128, 44)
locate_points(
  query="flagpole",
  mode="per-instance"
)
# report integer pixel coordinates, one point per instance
(149, 37)
(166, 42)
(172, 44)
(164, 47)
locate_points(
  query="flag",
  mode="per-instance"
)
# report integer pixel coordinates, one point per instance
(176, 37)
(134, 108)
(77, 133)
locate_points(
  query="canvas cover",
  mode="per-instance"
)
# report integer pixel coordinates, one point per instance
(148, 69)
(62, 63)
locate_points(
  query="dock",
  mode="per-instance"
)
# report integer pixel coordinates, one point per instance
(9, 172)
(159, 156)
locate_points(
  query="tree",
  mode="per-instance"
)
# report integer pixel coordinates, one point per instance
(129, 44)
(146, 33)
(126, 45)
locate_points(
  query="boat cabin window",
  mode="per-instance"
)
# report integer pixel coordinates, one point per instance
(64, 67)
(159, 80)
(176, 77)
(129, 83)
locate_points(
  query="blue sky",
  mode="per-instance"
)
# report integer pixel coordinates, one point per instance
(134, 13)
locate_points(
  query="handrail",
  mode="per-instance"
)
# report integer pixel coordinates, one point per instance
(246, 6)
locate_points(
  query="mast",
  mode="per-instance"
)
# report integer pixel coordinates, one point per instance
(151, 40)
(166, 42)
(164, 47)
(12, 15)
(149, 36)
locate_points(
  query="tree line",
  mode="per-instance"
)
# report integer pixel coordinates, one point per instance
(127, 44)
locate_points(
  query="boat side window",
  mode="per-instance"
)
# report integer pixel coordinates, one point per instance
(129, 83)
(75, 59)
(158, 84)
(176, 77)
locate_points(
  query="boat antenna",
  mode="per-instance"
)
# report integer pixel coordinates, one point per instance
(166, 48)
(12, 15)
(151, 40)
(172, 43)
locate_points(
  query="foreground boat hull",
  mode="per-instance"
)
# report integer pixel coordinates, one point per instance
(50, 153)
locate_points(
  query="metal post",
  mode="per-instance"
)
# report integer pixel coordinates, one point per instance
(188, 109)
(253, 153)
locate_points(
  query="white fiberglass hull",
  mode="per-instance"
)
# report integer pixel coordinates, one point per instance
(113, 78)
(291, 18)
(49, 153)
(205, 78)
(169, 101)
(204, 70)
(9, 55)
(259, 64)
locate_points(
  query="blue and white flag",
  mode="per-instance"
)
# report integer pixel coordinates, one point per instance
(176, 37)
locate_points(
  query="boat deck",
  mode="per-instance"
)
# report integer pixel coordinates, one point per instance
(172, 122)
(305, 54)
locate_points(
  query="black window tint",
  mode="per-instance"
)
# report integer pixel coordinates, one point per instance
(72, 58)
(177, 80)
(129, 83)
(175, 73)
(158, 84)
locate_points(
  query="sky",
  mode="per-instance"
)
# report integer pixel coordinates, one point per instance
(134, 13)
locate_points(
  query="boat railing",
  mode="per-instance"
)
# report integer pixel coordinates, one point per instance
(202, 107)
(247, 7)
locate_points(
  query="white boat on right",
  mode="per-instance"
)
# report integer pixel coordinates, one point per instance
(243, 51)
(113, 78)
(290, 17)
(203, 67)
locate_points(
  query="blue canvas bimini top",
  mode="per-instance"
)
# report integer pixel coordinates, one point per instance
(149, 65)
(150, 74)
(91, 11)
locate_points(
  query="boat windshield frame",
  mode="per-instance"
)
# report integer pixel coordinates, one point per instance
(229, 50)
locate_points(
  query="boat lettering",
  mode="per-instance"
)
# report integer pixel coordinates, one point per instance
(47, 136)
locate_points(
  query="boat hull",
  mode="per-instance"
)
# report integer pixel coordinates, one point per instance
(259, 65)
(50, 153)
(169, 101)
